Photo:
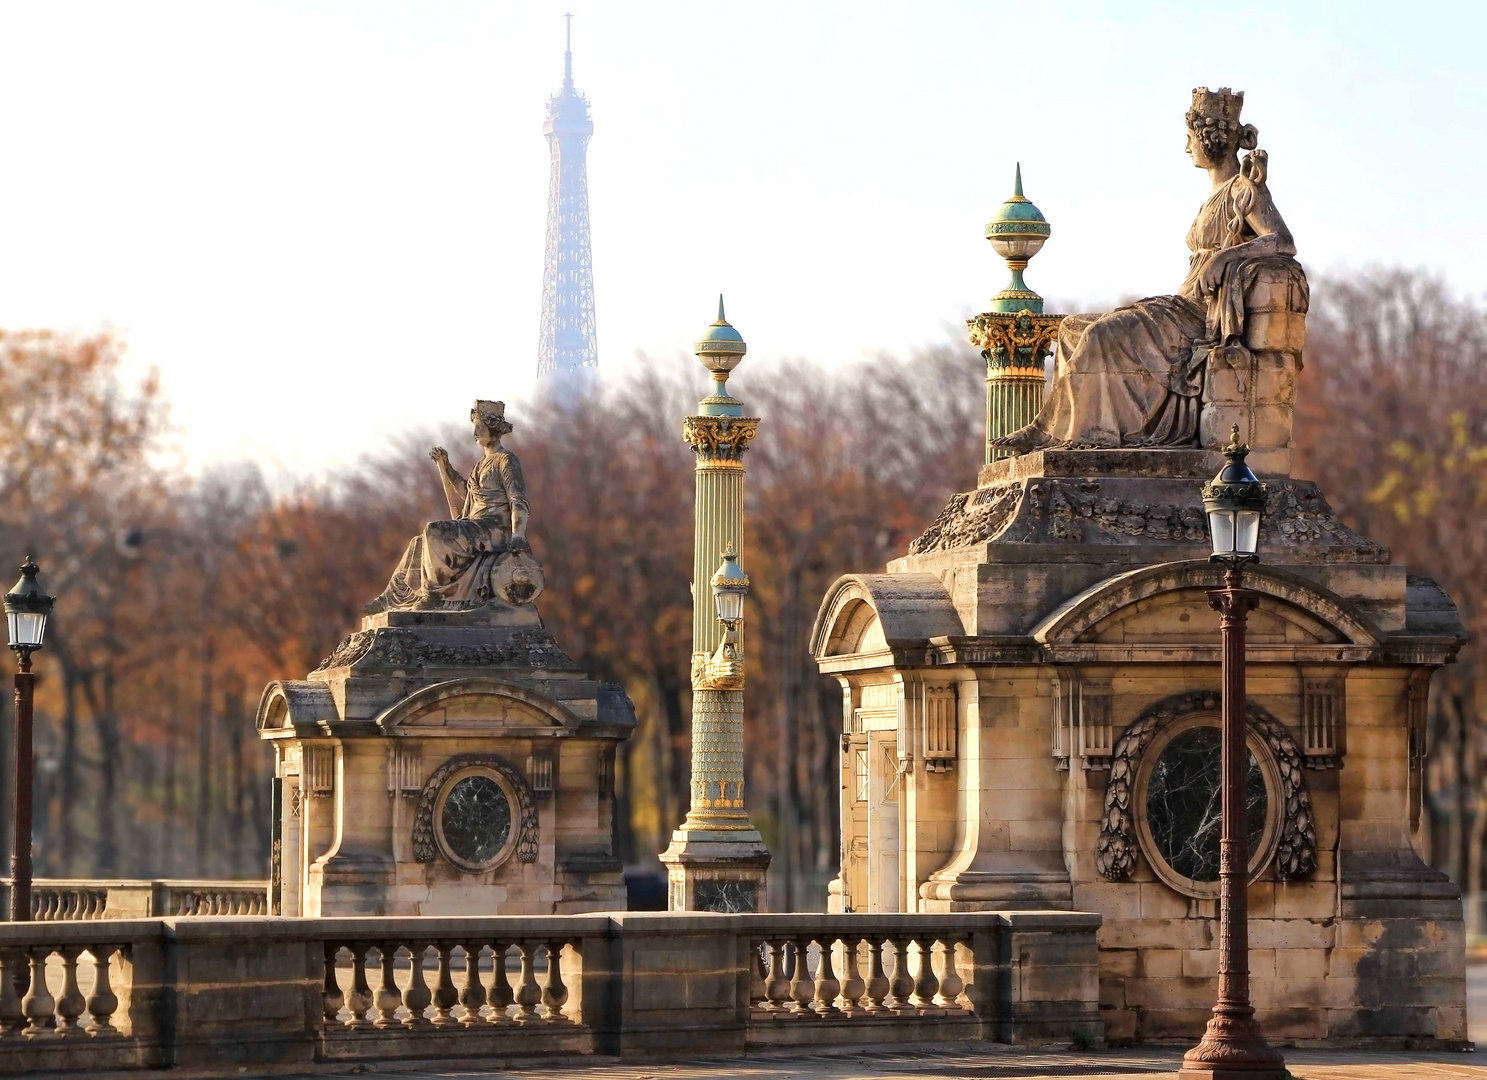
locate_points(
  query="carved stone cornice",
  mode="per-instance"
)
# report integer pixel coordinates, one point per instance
(719, 440)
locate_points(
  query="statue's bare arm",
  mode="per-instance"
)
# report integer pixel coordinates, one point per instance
(454, 483)
(1272, 238)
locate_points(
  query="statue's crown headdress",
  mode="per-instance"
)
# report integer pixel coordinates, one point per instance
(1221, 104)
(492, 414)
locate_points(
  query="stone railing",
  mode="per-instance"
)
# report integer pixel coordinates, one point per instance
(107, 994)
(71, 899)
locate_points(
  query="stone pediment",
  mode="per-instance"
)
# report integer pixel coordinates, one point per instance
(865, 614)
(1165, 607)
(485, 706)
(295, 704)
(1185, 617)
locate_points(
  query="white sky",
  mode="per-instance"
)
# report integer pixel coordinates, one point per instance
(324, 222)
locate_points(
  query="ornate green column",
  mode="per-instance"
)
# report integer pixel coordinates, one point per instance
(1015, 336)
(717, 860)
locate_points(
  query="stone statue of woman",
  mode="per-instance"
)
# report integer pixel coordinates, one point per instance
(1134, 376)
(449, 565)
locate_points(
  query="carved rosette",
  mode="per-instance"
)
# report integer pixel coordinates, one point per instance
(1117, 849)
(424, 847)
(719, 441)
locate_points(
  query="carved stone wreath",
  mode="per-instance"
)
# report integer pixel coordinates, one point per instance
(1117, 849)
(424, 845)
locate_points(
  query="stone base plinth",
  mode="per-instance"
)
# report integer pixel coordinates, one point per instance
(716, 870)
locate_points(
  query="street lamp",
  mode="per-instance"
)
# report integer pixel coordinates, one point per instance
(730, 585)
(1233, 1047)
(26, 611)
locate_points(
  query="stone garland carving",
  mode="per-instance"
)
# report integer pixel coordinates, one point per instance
(1117, 849)
(424, 846)
(1080, 511)
(721, 437)
(404, 647)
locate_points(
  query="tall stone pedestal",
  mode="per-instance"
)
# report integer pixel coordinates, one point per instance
(1024, 685)
(443, 763)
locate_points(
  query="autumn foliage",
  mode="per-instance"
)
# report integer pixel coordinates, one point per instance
(181, 596)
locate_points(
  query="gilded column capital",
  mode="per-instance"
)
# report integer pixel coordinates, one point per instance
(719, 440)
(1014, 344)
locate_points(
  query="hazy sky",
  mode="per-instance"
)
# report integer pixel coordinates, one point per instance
(324, 222)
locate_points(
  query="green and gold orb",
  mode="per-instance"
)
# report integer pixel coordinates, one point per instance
(1017, 233)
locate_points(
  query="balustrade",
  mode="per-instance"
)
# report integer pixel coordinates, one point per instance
(798, 973)
(478, 981)
(41, 996)
(64, 900)
(182, 991)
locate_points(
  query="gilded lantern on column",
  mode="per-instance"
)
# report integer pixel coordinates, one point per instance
(1015, 336)
(717, 859)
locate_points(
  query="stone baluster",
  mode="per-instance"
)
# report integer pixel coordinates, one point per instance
(333, 999)
(776, 987)
(71, 1004)
(877, 982)
(500, 996)
(926, 986)
(853, 986)
(445, 996)
(803, 989)
(472, 996)
(389, 997)
(12, 973)
(416, 996)
(900, 984)
(554, 992)
(951, 984)
(359, 1001)
(827, 984)
(102, 1002)
(38, 1005)
(528, 993)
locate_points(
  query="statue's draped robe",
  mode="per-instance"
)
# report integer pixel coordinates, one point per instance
(1134, 376)
(449, 564)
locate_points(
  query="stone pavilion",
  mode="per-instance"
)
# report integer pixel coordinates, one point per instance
(1031, 692)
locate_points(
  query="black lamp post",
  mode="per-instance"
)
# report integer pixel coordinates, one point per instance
(26, 611)
(1233, 1047)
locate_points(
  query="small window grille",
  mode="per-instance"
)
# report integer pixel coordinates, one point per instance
(859, 775)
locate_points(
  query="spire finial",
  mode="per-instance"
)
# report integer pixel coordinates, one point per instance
(568, 52)
(1017, 188)
(721, 319)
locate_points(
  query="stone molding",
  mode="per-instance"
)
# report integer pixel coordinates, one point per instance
(424, 845)
(419, 702)
(1117, 848)
(1082, 612)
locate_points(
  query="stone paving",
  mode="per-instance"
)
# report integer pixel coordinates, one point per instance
(930, 1063)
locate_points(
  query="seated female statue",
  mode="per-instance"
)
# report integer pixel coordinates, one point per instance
(448, 565)
(1134, 376)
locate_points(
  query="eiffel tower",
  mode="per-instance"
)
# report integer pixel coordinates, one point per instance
(567, 343)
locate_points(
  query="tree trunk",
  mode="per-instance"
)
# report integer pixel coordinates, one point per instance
(110, 749)
(67, 776)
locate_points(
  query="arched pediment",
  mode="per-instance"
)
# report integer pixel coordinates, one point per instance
(463, 706)
(1167, 605)
(863, 614)
(290, 704)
